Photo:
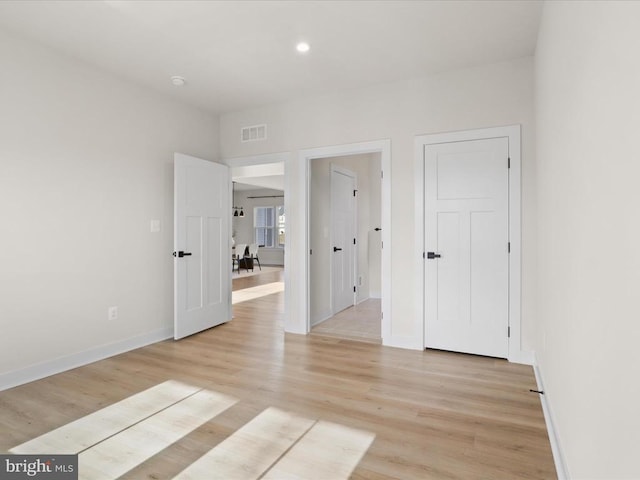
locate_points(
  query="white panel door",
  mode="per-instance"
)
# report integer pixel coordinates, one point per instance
(202, 264)
(466, 242)
(343, 234)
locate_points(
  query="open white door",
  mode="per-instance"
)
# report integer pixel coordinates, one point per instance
(467, 238)
(202, 264)
(343, 237)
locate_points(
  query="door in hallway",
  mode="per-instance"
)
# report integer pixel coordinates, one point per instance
(467, 246)
(343, 238)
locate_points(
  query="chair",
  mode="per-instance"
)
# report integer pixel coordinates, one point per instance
(253, 254)
(239, 255)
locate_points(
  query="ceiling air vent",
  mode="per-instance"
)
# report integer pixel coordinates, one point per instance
(253, 133)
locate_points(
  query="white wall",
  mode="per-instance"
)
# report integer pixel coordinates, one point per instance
(588, 336)
(491, 95)
(368, 217)
(86, 161)
(243, 226)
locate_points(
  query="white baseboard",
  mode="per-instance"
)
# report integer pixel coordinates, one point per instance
(525, 357)
(556, 448)
(321, 319)
(398, 341)
(62, 364)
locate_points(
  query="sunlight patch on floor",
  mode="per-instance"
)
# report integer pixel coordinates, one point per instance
(252, 293)
(273, 445)
(116, 455)
(252, 449)
(85, 432)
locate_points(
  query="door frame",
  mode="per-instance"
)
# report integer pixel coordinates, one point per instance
(302, 309)
(354, 255)
(512, 133)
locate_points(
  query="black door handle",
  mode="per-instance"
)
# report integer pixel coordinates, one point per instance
(181, 254)
(336, 249)
(377, 229)
(433, 255)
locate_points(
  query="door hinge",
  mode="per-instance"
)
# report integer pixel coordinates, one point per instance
(382, 174)
(311, 252)
(508, 332)
(354, 241)
(508, 162)
(423, 255)
(354, 289)
(382, 245)
(508, 247)
(355, 192)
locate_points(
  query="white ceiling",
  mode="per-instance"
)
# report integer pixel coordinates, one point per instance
(240, 54)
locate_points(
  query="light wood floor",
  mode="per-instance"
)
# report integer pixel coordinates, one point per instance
(360, 322)
(434, 414)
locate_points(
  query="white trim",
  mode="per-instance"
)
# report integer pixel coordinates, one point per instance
(323, 319)
(524, 357)
(252, 160)
(404, 341)
(299, 319)
(554, 439)
(512, 132)
(75, 360)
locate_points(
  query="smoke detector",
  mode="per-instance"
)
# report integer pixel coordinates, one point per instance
(178, 81)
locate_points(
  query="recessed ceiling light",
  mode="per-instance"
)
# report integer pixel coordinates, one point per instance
(303, 47)
(178, 81)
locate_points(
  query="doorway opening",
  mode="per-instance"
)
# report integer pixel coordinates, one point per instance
(345, 247)
(259, 230)
(299, 313)
(296, 251)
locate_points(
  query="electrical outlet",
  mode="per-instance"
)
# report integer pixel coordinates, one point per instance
(112, 313)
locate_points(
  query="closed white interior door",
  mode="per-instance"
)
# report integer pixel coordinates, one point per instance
(202, 264)
(466, 236)
(343, 234)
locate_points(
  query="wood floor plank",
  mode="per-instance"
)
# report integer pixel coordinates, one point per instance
(87, 431)
(328, 450)
(120, 453)
(251, 450)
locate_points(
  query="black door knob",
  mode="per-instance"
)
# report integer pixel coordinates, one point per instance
(181, 254)
(336, 249)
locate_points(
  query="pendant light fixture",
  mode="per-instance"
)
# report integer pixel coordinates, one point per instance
(237, 211)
